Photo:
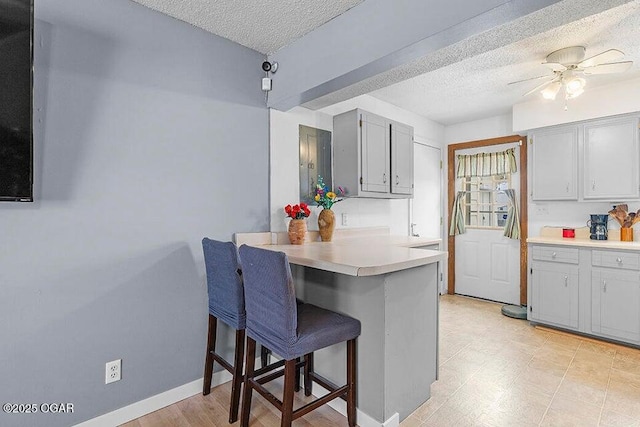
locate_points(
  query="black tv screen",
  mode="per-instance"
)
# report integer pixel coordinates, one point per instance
(16, 94)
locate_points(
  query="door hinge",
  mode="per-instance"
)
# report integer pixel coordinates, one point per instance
(360, 122)
(440, 164)
(440, 220)
(531, 271)
(360, 180)
(531, 308)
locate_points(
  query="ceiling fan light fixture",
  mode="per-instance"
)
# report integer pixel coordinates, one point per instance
(551, 90)
(574, 87)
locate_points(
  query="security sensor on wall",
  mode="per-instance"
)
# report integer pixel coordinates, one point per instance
(268, 67)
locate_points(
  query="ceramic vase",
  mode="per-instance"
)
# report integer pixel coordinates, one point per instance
(297, 231)
(326, 224)
(626, 234)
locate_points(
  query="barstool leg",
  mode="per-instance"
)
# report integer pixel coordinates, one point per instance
(237, 376)
(264, 355)
(248, 374)
(297, 386)
(308, 374)
(351, 381)
(287, 398)
(208, 361)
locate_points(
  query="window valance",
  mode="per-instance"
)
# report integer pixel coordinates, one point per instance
(487, 164)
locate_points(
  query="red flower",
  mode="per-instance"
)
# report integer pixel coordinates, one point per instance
(297, 211)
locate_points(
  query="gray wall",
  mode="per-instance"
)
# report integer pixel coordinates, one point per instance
(149, 135)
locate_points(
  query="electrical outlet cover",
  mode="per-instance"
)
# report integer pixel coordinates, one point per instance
(113, 371)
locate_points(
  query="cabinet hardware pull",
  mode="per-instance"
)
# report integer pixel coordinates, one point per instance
(619, 260)
(553, 255)
(567, 187)
(593, 184)
(566, 281)
(604, 288)
(397, 180)
(384, 178)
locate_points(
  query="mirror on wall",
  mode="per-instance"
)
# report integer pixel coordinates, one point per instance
(315, 159)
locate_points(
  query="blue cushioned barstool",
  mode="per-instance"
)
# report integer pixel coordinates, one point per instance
(226, 302)
(292, 331)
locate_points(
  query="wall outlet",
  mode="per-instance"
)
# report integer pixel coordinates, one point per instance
(345, 219)
(113, 371)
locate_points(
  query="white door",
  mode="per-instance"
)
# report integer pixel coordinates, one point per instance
(487, 263)
(426, 212)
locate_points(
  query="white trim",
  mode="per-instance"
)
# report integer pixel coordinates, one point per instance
(363, 419)
(169, 397)
(153, 403)
(394, 421)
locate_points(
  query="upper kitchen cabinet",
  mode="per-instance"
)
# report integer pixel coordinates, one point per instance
(401, 159)
(554, 158)
(372, 155)
(611, 158)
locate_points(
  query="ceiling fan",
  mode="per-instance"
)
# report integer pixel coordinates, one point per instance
(569, 66)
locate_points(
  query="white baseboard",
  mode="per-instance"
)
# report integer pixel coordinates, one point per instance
(153, 403)
(363, 419)
(169, 397)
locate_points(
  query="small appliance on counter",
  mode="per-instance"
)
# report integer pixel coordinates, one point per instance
(598, 226)
(568, 232)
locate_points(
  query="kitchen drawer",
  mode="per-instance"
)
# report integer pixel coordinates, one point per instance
(616, 259)
(555, 254)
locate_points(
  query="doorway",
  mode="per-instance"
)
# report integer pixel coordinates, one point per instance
(426, 206)
(482, 262)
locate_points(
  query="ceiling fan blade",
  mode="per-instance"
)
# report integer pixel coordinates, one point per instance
(606, 56)
(555, 66)
(546, 76)
(540, 86)
(610, 68)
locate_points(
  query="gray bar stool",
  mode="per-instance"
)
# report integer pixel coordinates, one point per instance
(226, 303)
(291, 330)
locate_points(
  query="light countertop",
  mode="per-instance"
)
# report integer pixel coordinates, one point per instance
(363, 255)
(587, 243)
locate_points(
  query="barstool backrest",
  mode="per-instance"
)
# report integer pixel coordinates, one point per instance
(272, 317)
(224, 282)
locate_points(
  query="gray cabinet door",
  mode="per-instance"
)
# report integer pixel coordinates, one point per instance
(554, 158)
(611, 157)
(554, 294)
(615, 299)
(375, 153)
(401, 159)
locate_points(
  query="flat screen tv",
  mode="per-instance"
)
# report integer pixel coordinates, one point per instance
(16, 95)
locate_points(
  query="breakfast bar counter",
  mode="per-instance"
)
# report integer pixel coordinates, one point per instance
(391, 286)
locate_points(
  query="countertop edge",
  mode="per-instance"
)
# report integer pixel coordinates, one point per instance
(593, 244)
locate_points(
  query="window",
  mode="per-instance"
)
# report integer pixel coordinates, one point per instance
(485, 204)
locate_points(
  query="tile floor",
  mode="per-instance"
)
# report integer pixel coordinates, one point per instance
(494, 371)
(497, 371)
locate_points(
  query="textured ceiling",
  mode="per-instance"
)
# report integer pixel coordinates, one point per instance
(262, 25)
(477, 87)
(465, 81)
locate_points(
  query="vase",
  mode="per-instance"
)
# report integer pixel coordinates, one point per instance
(297, 231)
(626, 234)
(326, 224)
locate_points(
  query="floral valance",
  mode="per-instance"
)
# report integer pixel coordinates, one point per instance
(487, 164)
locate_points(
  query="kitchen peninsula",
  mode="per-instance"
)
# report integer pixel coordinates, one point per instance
(390, 284)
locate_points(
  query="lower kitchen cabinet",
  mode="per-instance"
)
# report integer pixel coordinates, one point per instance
(615, 302)
(593, 291)
(554, 294)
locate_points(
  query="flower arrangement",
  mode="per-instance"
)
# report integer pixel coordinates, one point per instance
(325, 197)
(300, 211)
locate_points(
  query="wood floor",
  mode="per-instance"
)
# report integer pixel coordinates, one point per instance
(494, 371)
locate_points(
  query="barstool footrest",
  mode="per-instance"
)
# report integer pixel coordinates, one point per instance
(319, 379)
(226, 365)
(319, 402)
(265, 393)
(273, 376)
